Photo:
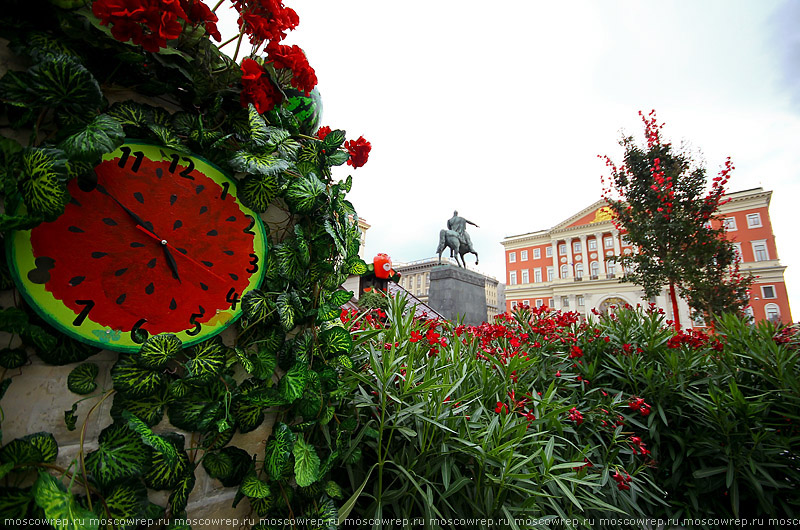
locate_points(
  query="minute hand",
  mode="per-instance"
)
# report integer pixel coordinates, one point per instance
(130, 212)
(167, 246)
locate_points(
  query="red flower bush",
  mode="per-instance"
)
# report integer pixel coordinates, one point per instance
(292, 57)
(257, 88)
(359, 152)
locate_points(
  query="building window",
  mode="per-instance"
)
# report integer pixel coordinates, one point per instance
(768, 291)
(523, 255)
(550, 303)
(773, 312)
(753, 220)
(737, 248)
(539, 302)
(608, 242)
(580, 300)
(611, 267)
(562, 248)
(550, 274)
(595, 269)
(548, 252)
(564, 270)
(592, 244)
(525, 277)
(526, 303)
(576, 247)
(760, 250)
(537, 253)
(512, 278)
(512, 257)
(579, 271)
(624, 240)
(564, 301)
(748, 311)
(729, 223)
(537, 275)
(513, 304)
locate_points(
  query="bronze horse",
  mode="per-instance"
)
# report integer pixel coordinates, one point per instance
(449, 239)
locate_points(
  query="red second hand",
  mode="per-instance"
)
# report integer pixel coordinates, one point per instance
(164, 242)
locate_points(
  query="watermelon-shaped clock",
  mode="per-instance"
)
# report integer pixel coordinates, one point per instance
(156, 243)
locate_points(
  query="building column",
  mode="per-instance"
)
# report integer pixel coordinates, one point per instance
(585, 256)
(554, 251)
(617, 250)
(570, 272)
(601, 254)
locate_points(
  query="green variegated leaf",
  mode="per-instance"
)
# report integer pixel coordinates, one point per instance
(43, 188)
(293, 383)
(179, 497)
(334, 140)
(279, 450)
(343, 361)
(305, 194)
(356, 266)
(327, 312)
(335, 340)
(126, 503)
(236, 462)
(20, 452)
(218, 465)
(289, 264)
(81, 379)
(248, 415)
(178, 388)
(166, 449)
(163, 475)
(15, 503)
(244, 360)
(19, 222)
(263, 164)
(258, 191)
(337, 158)
(206, 360)
(149, 409)
(121, 455)
(59, 81)
(66, 351)
(327, 415)
(40, 46)
(337, 240)
(306, 463)
(340, 297)
(254, 488)
(102, 135)
(259, 132)
(135, 381)
(13, 358)
(166, 137)
(214, 440)
(158, 349)
(289, 309)
(288, 148)
(310, 406)
(129, 113)
(59, 504)
(257, 306)
(46, 445)
(198, 411)
(264, 397)
(264, 363)
(70, 418)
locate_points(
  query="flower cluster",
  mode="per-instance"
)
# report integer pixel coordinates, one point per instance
(292, 57)
(639, 405)
(265, 20)
(622, 480)
(575, 416)
(151, 23)
(257, 87)
(358, 151)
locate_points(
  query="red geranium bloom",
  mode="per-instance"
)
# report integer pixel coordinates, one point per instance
(323, 132)
(292, 57)
(257, 88)
(359, 152)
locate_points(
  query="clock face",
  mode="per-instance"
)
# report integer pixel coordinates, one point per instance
(158, 244)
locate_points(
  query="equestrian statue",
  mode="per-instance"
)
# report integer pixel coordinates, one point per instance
(456, 239)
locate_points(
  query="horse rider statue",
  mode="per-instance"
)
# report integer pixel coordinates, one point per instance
(457, 239)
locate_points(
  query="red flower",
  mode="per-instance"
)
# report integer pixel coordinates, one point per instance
(575, 416)
(415, 336)
(501, 408)
(292, 57)
(257, 88)
(323, 132)
(359, 152)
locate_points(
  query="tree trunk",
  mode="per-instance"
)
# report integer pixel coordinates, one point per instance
(674, 298)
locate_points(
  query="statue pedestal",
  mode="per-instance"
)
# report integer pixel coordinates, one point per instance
(458, 294)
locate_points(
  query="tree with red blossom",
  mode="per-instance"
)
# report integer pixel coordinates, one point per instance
(661, 198)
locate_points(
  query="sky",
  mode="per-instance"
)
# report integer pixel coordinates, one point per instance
(499, 110)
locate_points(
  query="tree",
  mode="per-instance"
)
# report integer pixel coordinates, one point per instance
(660, 196)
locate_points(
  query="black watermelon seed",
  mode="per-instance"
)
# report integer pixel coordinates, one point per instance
(173, 304)
(203, 286)
(74, 201)
(150, 288)
(139, 197)
(120, 272)
(232, 218)
(177, 224)
(207, 263)
(99, 254)
(76, 280)
(151, 263)
(182, 250)
(212, 233)
(232, 275)
(172, 199)
(109, 221)
(159, 172)
(136, 244)
(228, 252)
(75, 229)
(199, 188)
(121, 298)
(204, 209)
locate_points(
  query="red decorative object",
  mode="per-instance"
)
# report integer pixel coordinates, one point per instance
(383, 266)
(359, 152)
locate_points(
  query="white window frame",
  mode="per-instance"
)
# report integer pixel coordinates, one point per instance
(730, 224)
(512, 257)
(579, 270)
(537, 275)
(537, 253)
(576, 247)
(591, 244)
(539, 302)
(551, 274)
(594, 269)
(526, 302)
(755, 244)
(754, 220)
(737, 247)
(564, 301)
(562, 248)
(764, 293)
(611, 267)
(550, 304)
(523, 255)
(548, 252)
(512, 278)
(777, 310)
(580, 300)
(525, 276)
(564, 271)
(608, 242)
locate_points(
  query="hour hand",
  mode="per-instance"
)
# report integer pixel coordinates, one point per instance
(130, 212)
(171, 262)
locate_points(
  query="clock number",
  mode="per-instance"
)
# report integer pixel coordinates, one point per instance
(186, 173)
(88, 305)
(225, 187)
(139, 335)
(126, 153)
(249, 229)
(193, 320)
(254, 263)
(232, 297)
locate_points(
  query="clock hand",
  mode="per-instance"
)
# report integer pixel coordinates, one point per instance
(167, 246)
(130, 212)
(170, 258)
